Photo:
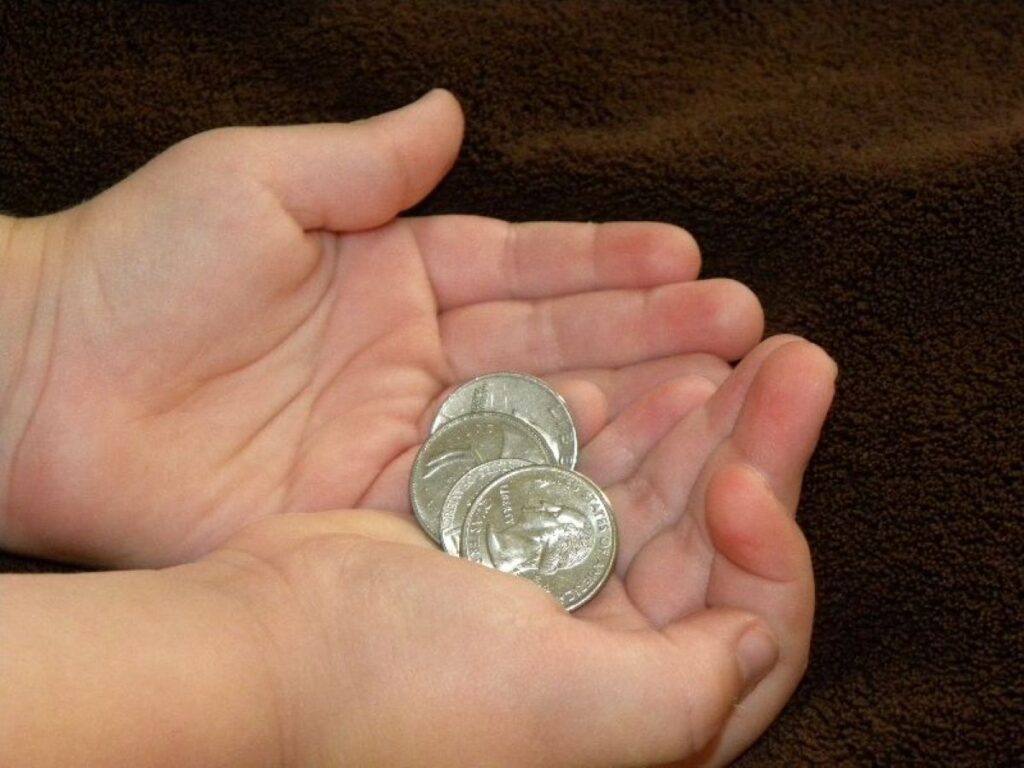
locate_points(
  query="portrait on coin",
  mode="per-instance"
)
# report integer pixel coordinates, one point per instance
(546, 538)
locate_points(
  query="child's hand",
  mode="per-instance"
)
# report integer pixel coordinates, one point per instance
(459, 665)
(345, 638)
(241, 329)
(210, 351)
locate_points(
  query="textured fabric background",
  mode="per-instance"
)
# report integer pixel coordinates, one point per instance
(860, 166)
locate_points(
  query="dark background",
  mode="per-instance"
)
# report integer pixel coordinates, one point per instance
(860, 166)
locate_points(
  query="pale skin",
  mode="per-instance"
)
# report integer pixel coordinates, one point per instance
(222, 368)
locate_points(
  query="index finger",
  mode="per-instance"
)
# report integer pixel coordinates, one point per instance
(473, 259)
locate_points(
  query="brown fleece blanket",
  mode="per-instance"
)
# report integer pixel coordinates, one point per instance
(860, 166)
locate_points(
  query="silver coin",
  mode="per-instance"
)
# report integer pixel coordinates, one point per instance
(464, 493)
(460, 445)
(548, 524)
(524, 397)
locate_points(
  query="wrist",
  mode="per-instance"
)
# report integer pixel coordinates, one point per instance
(31, 264)
(284, 647)
(314, 664)
(142, 668)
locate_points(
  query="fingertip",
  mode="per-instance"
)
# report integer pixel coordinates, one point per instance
(680, 246)
(439, 100)
(757, 653)
(795, 357)
(803, 366)
(737, 318)
(588, 405)
(423, 141)
(748, 301)
(770, 345)
(835, 367)
(446, 103)
(643, 254)
(448, 107)
(691, 247)
(441, 93)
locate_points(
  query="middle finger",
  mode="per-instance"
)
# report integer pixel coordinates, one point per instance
(602, 329)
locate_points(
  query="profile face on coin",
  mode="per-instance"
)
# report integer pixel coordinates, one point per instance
(460, 445)
(464, 493)
(548, 524)
(547, 538)
(524, 397)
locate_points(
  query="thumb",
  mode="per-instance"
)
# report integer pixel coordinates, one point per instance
(352, 176)
(654, 697)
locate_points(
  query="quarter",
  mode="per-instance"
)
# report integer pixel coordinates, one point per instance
(464, 493)
(460, 445)
(548, 524)
(525, 397)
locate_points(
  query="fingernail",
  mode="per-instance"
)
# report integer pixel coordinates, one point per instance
(757, 653)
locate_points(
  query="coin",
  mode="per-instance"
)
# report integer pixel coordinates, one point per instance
(460, 445)
(464, 493)
(524, 397)
(548, 524)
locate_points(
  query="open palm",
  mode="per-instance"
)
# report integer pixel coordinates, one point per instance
(244, 329)
(704, 482)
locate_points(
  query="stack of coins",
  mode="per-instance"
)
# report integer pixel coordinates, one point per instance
(495, 483)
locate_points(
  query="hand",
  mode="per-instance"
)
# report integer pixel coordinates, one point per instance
(389, 652)
(346, 638)
(242, 328)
